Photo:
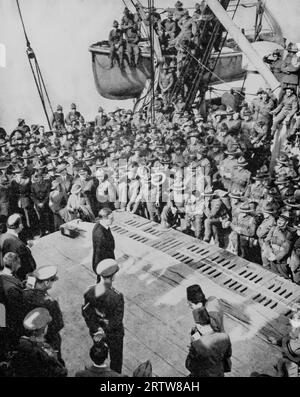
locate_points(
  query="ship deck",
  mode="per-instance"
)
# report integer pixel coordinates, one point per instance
(156, 267)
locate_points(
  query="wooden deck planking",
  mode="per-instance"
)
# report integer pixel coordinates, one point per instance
(157, 319)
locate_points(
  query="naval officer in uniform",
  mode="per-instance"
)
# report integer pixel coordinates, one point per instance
(37, 296)
(103, 312)
(34, 357)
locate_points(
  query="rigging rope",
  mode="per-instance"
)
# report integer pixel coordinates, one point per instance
(36, 71)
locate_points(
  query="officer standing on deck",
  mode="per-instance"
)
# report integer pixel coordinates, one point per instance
(103, 312)
(37, 296)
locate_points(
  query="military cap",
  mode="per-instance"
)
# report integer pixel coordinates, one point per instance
(242, 161)
(54, 155)
(285, 216)
(55, 184)
(40, 166)
(73, 106)
(17, 170)
(236, 195)
(193, 134)
(37, 319)
(20, 120)
(59, 107)
(26, 155)
(178, 4)
(231, 152)
(283, 158)
(3, 142)
(76, 188)
(292, 48)
(195, 294)
(230, 112)
(282, 180)
(292, 202)
(107, 268)
(247, 112)
(45, 273)
(208, 192)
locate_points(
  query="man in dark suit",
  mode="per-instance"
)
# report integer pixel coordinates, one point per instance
(38, 296)
(98, 355)
(10, 242)
(11, 296)
(103, 312)
(103, 240)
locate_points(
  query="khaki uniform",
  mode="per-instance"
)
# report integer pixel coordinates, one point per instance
(264, 229)
(277, 242)
(246, 230)
(240, 180)
(227, 167)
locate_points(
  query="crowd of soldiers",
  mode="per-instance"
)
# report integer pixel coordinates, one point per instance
(210, 178)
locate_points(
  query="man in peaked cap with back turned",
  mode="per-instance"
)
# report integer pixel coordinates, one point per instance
(103, 312)
(37, 296)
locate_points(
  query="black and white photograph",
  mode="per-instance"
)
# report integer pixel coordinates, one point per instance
(149, 191)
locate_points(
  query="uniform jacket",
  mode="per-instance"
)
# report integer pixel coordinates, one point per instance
(11, 243)
(34, 298)
(265, 227)
(240, 180)
(247, 224)
(214, 208)
(290, 68)
(40, 192)
(11, 296)
(105, 311)
(36, 359)
(288, 106)
(280, 243)
(103, 245)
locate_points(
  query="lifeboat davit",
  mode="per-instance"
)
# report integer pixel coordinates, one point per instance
(116, 83)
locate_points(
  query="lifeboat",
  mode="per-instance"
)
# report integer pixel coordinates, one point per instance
(116, 83)
(129, 83)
